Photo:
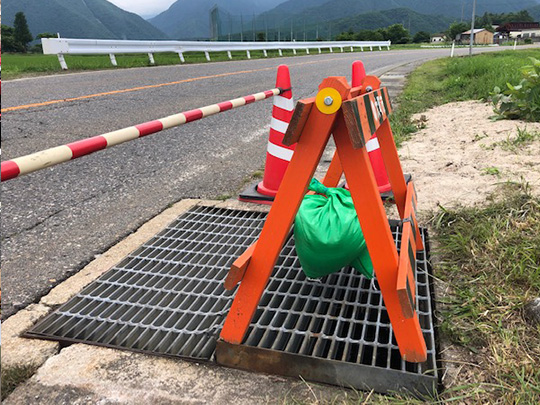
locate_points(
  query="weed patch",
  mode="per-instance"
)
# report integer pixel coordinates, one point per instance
(490, 257)
(447, 80)
(523, 138)
(12, 377)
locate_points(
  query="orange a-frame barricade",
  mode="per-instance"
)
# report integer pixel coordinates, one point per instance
(352, 116)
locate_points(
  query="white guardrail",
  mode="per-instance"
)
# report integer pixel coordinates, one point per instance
(64, 46)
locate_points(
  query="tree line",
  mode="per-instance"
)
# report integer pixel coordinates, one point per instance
(19, 37)
(396, 33)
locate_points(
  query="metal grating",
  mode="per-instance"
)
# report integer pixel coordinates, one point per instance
(340, 319)
(167, 298)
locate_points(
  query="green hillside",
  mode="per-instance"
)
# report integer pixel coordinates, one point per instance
(411, 20)
(97, 19)
(188, 19)
(318, 11)
(535, 12)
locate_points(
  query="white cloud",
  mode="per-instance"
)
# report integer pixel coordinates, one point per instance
(144, 7)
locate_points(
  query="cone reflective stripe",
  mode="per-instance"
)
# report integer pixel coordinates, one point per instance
(372, 146)
(50, 157)
(278, 155)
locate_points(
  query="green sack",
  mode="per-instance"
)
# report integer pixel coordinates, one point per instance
(327, 233)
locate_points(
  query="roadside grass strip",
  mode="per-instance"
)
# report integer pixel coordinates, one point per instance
(447, 80)
(490, 260)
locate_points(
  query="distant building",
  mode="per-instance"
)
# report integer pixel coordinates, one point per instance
(481, 36)
(520, 30)
(439, 37)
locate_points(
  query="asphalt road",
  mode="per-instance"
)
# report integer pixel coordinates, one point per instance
(57, 220)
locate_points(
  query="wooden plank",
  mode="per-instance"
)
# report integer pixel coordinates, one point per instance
(379, 241)
(307, 156)
(407, 259)
(298, 121)
(238, 268)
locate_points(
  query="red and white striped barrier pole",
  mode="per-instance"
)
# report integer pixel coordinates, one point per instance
(372, 146)
(50, 157)
(278, 155)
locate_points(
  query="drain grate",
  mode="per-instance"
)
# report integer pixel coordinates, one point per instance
(167, 298)
(341, 321)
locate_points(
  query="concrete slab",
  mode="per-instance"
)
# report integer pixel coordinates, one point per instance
(83, 374)
(17, 351)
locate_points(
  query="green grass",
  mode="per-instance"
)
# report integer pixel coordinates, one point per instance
(455, 79)
(491, 171)
(490, 259)
(20, 65)
(523, 138)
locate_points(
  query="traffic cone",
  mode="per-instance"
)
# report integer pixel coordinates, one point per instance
(372, 146)
(278, 155)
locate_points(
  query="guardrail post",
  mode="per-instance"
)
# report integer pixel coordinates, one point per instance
(319, 50)
(265, 53)
(341, 49)
(307, 51)
(371, 48)
(62, 61)
(388, 46)
(207, 55)
(453, 47)
(515, 44)
(380, 49)
(181, 56)
(229, 54)
(352, 49)
(280, 52)
(294, 51)
(248, 55)
(331, 50)
(113, 59)
(362, 49)
(151, 57)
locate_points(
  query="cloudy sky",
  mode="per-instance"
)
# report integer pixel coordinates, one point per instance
(144, 7)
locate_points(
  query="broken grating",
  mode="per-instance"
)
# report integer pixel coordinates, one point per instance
(167, 298)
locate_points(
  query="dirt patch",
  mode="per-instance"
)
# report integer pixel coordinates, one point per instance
(461, 155)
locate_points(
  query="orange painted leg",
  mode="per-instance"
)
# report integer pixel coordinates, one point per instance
(306, 157)
(379, 241)
(393, 166)
(333, 175)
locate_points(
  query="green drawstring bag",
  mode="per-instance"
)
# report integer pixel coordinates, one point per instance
(327, 233)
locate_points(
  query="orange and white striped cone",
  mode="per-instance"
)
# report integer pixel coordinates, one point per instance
(278, 155)
(372, 146)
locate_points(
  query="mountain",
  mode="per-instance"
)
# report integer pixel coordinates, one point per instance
(322, 11)
(411, 20)
(188, 19)
(535, 12)
(97, 19)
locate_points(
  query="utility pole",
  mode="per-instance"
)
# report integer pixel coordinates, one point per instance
(241, 28)
(472, 27)
(292, 27)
